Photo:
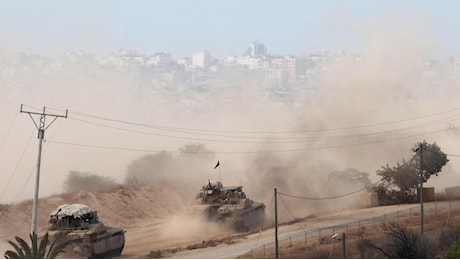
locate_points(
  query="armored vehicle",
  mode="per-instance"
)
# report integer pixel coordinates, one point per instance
(230, 206)
(78, 225)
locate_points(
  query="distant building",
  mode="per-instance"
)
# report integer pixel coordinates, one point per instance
(253, 62)
(455, 61)
(286, 63)
(160, 59)
(184, 63)
(452, 193)
(256, 49)
(201, 59)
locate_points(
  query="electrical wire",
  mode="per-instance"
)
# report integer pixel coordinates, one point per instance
(330, 197)
(45, 148)
(326, 147)
(8, 132)
(274, 139)
(17, 165)
(285, 205)
(289, 211)
(269, 132)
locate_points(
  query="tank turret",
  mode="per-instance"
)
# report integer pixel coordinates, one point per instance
(87, 236)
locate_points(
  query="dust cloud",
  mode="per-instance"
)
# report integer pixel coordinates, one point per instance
(185, 227)
(355, 111)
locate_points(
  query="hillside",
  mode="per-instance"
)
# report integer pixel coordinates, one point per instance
(143, 211)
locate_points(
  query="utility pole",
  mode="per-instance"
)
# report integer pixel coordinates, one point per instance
(276, 226)
(421, 188)
(41, 127)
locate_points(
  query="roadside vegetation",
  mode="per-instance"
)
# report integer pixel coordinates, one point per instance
(36, 249)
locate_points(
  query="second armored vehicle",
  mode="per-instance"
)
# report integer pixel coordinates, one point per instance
(229, 205)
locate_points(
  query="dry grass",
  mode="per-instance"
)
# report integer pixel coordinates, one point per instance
(439, 228)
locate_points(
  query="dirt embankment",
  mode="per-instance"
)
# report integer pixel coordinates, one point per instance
(154, 216)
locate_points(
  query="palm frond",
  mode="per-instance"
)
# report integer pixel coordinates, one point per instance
(33, 245)
(53, 251)
(11, 255)
(18, 249)
(25, 247)
(43, 245)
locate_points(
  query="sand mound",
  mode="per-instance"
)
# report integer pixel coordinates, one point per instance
(121, 206)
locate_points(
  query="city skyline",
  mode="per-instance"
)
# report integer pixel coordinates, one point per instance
(225, 28)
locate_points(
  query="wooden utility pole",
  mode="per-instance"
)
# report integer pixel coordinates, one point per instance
(421, 188)
(41, 127)
(276, 226)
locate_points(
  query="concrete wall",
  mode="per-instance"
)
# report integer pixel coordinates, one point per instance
(453, 193)
(368, 200)
(428, 194)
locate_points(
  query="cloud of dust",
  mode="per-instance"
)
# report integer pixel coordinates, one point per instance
(387, 83)
(190, 227)
(4, 246)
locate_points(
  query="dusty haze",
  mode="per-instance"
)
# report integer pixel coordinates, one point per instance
(259, 143)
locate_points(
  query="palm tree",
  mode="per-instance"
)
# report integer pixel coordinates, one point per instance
(36, 251)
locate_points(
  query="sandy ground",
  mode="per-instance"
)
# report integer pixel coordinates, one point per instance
(153, 216)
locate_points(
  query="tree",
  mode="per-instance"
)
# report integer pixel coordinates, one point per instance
(35, 250)
(350, 176)
(150, 168)
(196, 150)
(433, 159)
(454, 250)
(400, 242)
(77, 181)
(164, 166)
(400, 183)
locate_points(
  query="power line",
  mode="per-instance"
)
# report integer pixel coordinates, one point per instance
(285, 205)
(266, 132)
(45, 149)
(8, 132)
(268, 139)
(17, 165)
(250, 152)
(330, 197)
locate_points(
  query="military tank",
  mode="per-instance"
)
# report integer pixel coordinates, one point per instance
(229, 206)
(78, 225)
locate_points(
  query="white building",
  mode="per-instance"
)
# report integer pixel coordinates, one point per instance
(201, 59)
(253, 62)
(160, 59)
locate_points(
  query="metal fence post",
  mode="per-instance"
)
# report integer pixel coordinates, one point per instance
(306, 244)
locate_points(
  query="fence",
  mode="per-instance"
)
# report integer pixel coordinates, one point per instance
(317, 242)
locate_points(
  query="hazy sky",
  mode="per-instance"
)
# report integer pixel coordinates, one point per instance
(183, 27)
(368, 93)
